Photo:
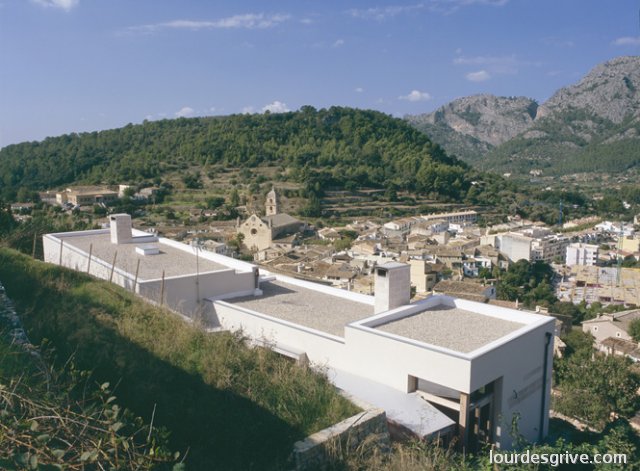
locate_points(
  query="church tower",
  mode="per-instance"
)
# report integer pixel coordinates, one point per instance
(271, 205)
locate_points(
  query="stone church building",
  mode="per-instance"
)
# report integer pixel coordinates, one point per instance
(262, 232)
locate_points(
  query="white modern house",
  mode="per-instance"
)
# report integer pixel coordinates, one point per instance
(442, 367)
(581, 254)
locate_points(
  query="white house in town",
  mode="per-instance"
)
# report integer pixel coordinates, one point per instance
(581, 254)
(439, 367)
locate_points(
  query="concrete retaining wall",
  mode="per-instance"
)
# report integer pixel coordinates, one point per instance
(364, 431)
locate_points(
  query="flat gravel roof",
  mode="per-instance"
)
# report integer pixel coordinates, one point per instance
(307, 307)
(173, 261)
(451, 327)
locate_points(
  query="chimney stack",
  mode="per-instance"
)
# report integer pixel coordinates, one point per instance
(393, 286)
(120, 225)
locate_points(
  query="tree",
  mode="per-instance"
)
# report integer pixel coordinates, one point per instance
(529, 282)
(593, 388)
(343, 244)
(215, 202)
(234, 199)
(7, 222)
(578, 342)
(634, 329)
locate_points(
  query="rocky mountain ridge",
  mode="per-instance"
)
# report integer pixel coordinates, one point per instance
(591, 125)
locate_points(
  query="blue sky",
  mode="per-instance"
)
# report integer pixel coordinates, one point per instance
(84, 65)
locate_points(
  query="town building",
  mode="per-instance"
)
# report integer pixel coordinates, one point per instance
(532, 244)
(630, 244)
(611, 333)
(550, 248)
(604, 285)
(459, 217)
(262, 232)
(441, 367)
(514, 246)
(614, 325)
(581, 254)
(424, 275)
(86, 196)
(466, 289)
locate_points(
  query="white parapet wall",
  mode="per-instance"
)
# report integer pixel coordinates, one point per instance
(183, 293)
(321, 349)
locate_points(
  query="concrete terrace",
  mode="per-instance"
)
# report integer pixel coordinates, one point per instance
(307, 307)
(451, 327)
(173, 261)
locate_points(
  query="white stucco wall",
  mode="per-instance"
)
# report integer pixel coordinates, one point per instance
(321, 348)
(519, 363)
(181, 292)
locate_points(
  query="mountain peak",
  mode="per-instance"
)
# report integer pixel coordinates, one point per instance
(584, 125)
(611, 90)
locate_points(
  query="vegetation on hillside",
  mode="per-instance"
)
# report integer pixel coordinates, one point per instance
(570, 141)
(223, 402)
(340, 147)
(58, 419)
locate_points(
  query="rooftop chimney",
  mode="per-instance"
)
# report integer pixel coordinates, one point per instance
(393, 286)
(120, 225)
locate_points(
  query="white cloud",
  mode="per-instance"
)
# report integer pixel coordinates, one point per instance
(248, 110)
(338, 43)
(276, 107)
(479, 76)
(61, 4)
(415, 95)
(627, 41)
(247, 21)
(184, 112)
(440, 6)
(359, 89)
(383, 13)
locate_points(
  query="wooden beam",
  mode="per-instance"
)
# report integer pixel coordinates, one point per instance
(113, 265)
(135, 281)
(463, 421)
(89, 259)
(162, 290)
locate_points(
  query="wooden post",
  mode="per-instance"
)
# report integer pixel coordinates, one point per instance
(463, 420)
(60, 259)
(89, 259)
(113, 265)
(162, 290)
(135, 281)
(33, 251)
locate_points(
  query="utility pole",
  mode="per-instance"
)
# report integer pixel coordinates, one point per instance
(618, 256)
(196, 246)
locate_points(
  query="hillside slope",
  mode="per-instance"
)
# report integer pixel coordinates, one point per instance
(591, 126)
(222, 401)
(338, 147)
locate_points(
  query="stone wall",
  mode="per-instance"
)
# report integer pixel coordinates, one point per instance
(363, 432)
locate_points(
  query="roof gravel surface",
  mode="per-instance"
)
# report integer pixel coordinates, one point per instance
(173, 261)
(451, 327)
(307, 307)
